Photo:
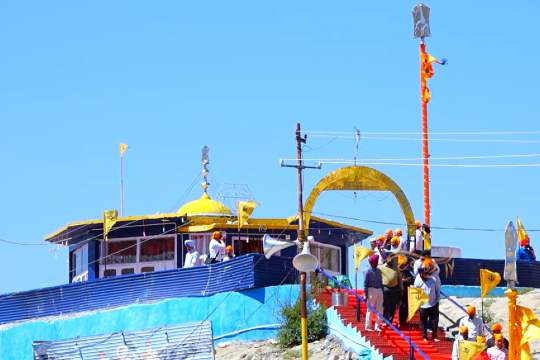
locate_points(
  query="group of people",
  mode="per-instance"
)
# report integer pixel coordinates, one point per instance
(472, 328)
(218, 251)
(390, 275)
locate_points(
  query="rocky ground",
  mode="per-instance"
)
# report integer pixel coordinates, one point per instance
(496, 310)
(325, 349)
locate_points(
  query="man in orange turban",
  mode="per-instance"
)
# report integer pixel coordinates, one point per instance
(459, 337)
(473, 323)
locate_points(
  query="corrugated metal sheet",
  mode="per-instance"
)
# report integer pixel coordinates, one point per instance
(243, 272)
(467, 272)
(185, 341)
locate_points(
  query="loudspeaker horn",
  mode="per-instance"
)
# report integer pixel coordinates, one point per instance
(272, 245)
(305, 262)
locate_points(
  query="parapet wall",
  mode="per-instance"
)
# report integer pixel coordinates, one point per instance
(242, 316)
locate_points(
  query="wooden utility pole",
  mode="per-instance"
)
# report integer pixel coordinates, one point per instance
(300, 140)
(301, 237)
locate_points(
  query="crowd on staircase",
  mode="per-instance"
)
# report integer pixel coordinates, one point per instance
(391, 273)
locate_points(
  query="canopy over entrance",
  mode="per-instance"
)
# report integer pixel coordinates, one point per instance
(357, 178)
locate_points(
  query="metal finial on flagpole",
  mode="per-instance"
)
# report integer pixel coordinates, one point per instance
(205, 161)
(421, 21)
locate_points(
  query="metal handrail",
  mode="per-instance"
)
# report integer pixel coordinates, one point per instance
(379, 315)
(486, 327)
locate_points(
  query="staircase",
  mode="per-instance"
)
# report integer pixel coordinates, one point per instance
(388, 341)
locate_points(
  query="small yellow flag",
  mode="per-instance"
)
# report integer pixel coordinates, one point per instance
(123, 148)
(245, 209)
(522, 234)
(488, 281)
(360, 253)
(416, 297)
(468, 349)
(109, 219)
(530, 329)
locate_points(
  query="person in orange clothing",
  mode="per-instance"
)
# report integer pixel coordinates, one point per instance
(498, 352)
(418, 245)
(388, 235)
(483, 355)
(229, 253)
(460, 337)
(395, 245)
(497, 329)
(473, 323)
(403, 244)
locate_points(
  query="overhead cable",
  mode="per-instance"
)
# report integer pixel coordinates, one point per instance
(457, 228)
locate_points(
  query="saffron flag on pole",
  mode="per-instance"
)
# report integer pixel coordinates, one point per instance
(109, 219)
(123, 148)
(245, 209)
(488, 281)
(468, 349)
(522, 234)
(360, 253)
(426, 70)
(530, 329)
(416, 298)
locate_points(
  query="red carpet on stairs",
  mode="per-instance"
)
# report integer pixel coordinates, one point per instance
(388, 341)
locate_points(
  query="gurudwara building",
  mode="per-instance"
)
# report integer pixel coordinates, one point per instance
(149, 243)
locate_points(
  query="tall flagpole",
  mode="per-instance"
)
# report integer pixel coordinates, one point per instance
(425, 150)
(422, 30)
(123, 148)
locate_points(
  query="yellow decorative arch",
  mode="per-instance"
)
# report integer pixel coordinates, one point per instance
(359, 178)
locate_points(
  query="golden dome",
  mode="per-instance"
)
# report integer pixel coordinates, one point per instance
(205, 207)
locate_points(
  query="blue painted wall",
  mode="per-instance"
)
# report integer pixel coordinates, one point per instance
(230, 312)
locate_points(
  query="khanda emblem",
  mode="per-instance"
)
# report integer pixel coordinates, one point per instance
(421, 21)
(491, 278)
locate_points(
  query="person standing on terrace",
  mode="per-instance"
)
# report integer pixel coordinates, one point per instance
(216, 248)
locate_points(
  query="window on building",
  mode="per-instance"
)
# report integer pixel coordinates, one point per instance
(80, 260)
(329, 256)
(247, 244)
(157, 249)
(109, 272)
(121, 252)
(329, 259)
(128, 271)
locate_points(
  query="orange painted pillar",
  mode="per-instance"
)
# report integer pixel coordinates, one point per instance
(514, 327)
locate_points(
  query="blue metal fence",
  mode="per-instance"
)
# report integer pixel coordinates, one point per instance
(185, 341)
(243, 272)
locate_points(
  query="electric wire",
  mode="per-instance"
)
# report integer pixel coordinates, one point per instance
(399, 138)
(483, 133)
(456, 228)
(464, 157)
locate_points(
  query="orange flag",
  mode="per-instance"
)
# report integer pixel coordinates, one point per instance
(426, 70)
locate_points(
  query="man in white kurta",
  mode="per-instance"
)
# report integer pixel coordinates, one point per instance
(473, 323)
(192, 255)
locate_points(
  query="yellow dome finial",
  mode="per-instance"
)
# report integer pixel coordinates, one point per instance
(205, 161)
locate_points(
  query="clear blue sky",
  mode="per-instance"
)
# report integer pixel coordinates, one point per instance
(168, 77)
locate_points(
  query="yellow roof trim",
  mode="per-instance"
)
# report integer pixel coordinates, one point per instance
(334, 224)
(120, 218)
(213, 227)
